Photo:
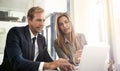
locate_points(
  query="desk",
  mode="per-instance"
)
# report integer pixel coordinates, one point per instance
(50, 70)
(116, 67)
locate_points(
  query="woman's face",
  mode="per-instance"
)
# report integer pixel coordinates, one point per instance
(64, 25)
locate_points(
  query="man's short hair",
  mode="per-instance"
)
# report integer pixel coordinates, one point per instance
(34, 10)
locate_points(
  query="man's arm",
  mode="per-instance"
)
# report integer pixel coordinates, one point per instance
(14, 53)
(58, 63)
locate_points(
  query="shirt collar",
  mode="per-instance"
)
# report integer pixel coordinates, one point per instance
(66, 41)
(32, 35)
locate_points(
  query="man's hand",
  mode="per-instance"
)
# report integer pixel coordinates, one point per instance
(68, 67)
(62, 63)
(65, 65)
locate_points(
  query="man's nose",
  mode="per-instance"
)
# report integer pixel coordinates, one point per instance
(41, 23)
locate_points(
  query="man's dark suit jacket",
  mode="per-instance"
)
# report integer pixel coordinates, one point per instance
(18, 51)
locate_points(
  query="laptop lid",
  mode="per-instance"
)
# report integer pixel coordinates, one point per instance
(93, 58)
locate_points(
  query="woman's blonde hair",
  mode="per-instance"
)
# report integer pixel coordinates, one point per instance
(60, 36)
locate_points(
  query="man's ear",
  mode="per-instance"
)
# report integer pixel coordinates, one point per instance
(29, 19)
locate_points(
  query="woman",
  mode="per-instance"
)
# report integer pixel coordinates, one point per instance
(68, 44)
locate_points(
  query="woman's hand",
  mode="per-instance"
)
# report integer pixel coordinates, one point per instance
(77, 56)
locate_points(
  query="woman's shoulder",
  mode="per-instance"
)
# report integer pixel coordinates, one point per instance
(80, 35)
(55, 41)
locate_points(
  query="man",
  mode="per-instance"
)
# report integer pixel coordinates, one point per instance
(21, 54)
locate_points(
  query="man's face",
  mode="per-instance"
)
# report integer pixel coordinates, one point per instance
(37, 23)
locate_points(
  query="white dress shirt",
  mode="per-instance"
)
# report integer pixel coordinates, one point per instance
(36, 51)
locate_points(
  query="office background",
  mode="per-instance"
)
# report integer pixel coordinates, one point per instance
(97, 19)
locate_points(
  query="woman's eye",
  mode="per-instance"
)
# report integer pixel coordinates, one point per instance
(66, 21)
(60, 24)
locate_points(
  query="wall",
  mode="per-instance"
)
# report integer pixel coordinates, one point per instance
(88, 17)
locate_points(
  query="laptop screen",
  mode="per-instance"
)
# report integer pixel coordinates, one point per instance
(93, 58)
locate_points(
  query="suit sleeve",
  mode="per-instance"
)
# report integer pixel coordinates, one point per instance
(14, 54)
(47, 57)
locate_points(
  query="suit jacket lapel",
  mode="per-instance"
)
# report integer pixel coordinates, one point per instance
(28, 38)
(41, 46)
(39, 42)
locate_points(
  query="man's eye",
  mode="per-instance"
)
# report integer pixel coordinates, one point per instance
(43, 20)
(40, 20)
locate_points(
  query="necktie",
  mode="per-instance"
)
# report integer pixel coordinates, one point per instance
(33, 47)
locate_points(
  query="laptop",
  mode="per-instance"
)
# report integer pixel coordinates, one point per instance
(94, 58)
